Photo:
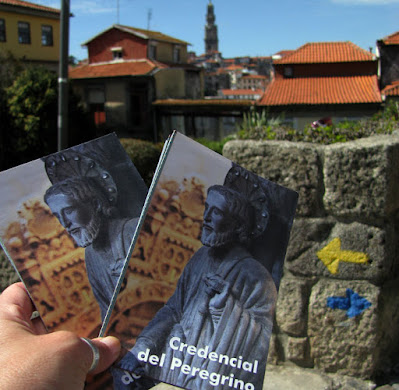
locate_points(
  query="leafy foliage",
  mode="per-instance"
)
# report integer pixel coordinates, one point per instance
(9, 69)
(28, 113)
(7, 272)
(32, 103)
(144, 155)
(260, 126)
(216, 146)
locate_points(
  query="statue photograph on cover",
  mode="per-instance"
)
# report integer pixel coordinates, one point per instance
(66, 223)
(97, 198)
(213, 331)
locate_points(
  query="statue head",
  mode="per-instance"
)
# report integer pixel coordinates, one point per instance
(81, 207)
(228, 217)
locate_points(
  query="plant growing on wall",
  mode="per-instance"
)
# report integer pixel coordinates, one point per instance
(261, 126)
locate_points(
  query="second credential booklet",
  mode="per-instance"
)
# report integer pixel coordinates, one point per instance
(194, 307)
(66, 223)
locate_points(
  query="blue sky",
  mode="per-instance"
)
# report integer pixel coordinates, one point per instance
(245, 27)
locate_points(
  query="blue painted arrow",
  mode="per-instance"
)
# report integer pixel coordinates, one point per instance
(353, 303)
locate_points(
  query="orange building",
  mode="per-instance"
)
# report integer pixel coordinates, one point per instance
(324, 79)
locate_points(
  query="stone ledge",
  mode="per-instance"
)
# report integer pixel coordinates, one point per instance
(361, 178)
(310, 235)
(294, 165)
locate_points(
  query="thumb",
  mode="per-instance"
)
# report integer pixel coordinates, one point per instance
(109, 349)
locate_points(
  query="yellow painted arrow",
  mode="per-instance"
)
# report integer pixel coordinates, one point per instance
(332, 254)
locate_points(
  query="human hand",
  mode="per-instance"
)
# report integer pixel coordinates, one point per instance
(30, 358)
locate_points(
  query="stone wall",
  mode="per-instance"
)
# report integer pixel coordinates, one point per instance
(349, 205)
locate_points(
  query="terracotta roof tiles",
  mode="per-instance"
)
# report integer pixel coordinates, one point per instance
(391, 90)
(322, 90)
(326, 52)
(392, 39)
(113, 69)
(26, 4)
(234, 67)
(153, 34)
(254, 76)
(232, 92)
(203, 102)
(282, 53)
(145, 34)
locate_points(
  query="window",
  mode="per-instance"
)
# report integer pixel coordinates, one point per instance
(2, 30)
(288, 71)
(23, 32)
(117, 53)
(47, 35)
(176, 54)
(152, 52)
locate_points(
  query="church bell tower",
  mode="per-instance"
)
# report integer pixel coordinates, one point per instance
(211, 31)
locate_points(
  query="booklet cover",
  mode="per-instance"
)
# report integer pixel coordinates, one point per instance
(66, 223)
(194, 307)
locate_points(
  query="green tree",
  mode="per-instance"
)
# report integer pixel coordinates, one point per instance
(32, 103)
(9, 69)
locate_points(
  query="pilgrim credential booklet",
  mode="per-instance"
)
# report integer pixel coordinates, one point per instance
(194, 305)
(67, 223)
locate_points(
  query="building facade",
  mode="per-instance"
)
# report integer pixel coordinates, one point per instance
(127, 70)
(323, 79)
(30, 32)
(388, 57)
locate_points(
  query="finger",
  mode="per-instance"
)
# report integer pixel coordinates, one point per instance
(16, 304)
(109, 348)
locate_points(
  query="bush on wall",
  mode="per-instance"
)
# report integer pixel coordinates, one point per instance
(262, 126)
(144, 155)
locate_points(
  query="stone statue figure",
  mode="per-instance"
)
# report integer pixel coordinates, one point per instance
(224, 299)
(85, 213)
(97, 195)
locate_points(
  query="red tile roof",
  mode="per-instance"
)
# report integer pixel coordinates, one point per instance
(392, 39)
(322, 90)
(254, 76)
(114, 69)
(234, 67)
(392, 89)
(231, 92)
(26, 4)
(282, 53)
(145, 34)
(326, 52)
(203, 102)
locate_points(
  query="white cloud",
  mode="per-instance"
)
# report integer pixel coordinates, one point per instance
(366, 2)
